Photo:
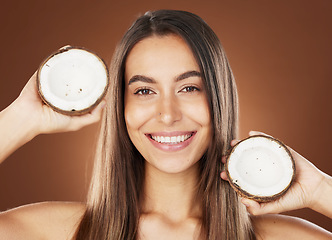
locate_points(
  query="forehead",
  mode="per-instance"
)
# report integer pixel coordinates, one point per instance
(157, 54)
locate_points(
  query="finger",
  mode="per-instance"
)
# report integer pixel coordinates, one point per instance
(95, 114)
(223, 159)
(97, 110)
(253, 207)
(65, 47)
(256, 208)
(234, 142)
(253, 133)
(223, 176)
(89, 118)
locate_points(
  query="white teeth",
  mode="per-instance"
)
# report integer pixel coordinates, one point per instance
(171, 140)
(178, 139)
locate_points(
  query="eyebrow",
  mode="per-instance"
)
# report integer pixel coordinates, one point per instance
(188, 75)
(141, 78)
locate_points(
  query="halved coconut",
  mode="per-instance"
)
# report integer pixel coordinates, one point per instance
(72, 81)
(260, 168)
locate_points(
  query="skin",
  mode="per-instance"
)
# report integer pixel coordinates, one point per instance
(311, 189)
(168, 99)
(168, 105)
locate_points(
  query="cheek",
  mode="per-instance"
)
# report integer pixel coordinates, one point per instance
(130, 116)
(199, 112)
(135, 116)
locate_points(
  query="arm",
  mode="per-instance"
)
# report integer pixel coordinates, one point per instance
(47, 220)
(20, 122)
(322, 204)
(15, 130)
(275, 226)
(28, 116)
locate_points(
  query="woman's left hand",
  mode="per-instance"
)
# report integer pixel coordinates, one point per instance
(312, 188)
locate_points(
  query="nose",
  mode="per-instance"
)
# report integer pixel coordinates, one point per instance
(168, 110)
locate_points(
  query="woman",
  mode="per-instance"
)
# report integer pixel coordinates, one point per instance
(170, 116)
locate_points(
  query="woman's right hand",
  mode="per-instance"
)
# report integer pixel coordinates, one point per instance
(28, 117)
(45, 119)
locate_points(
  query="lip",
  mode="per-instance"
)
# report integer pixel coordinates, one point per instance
(171, 147)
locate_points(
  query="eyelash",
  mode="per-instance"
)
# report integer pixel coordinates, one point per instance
(190, 89)
(140, 91)
(186, 89)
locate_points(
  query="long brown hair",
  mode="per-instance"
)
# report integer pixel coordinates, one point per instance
(113, 205)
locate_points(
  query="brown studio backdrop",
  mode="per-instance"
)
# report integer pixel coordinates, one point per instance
(279, 51)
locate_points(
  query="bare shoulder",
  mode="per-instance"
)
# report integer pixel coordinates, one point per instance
(48, 220)
(276, 226)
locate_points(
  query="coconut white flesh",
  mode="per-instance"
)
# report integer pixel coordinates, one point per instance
(260, 166)
(73, 80)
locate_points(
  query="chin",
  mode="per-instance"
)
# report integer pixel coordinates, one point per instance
(174, 165)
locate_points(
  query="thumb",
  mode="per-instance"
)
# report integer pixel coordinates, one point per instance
(256, 208)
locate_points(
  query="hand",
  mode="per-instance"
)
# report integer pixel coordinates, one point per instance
(44, 119)
(304, 192)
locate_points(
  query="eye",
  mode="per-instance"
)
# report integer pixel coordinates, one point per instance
(190, 89)
(143, 91)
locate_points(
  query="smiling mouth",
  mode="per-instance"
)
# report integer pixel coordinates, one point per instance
(171, 140)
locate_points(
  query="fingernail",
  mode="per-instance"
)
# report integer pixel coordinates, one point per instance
(252, 132)
(245, 203)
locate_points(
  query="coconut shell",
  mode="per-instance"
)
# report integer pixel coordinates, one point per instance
(244, 193)
(72, 112)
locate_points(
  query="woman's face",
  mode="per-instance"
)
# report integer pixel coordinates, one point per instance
(166, 109)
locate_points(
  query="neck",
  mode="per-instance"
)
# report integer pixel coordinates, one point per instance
(171, 195)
